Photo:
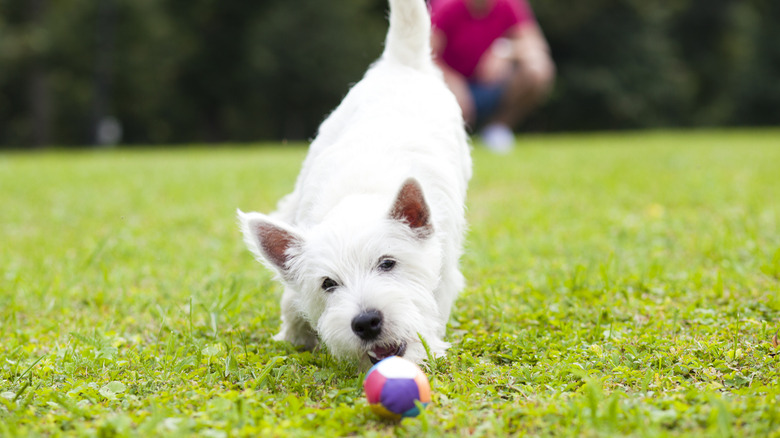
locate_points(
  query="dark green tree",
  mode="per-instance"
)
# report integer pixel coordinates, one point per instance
(181, 71)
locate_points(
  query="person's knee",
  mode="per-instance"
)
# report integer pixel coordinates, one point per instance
(531, 84)
(540, 75)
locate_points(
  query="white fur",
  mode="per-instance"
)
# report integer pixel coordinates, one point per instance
(399, 122)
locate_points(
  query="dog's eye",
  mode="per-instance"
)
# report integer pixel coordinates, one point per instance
(386, 265)
(328, 285)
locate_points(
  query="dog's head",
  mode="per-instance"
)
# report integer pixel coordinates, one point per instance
(364, 277)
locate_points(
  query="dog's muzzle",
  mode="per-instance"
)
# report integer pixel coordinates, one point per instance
(368, 326)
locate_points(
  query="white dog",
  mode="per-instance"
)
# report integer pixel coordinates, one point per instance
(367, 245)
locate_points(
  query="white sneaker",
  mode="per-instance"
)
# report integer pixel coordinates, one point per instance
(498, 138)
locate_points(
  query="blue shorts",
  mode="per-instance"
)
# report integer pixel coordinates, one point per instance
(487, 98)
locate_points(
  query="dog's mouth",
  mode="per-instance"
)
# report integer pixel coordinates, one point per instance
(379, 352)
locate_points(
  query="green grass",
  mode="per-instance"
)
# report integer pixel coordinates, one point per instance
(618, 285)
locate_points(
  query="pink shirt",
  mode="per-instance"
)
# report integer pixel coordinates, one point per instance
(468, 37)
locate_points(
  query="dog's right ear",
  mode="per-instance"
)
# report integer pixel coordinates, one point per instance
(270, 241)
(410, 208)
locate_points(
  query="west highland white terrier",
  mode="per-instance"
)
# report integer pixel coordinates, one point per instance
(367, 245)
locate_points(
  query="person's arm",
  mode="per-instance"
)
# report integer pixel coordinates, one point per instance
(528, 44)
(455, 81)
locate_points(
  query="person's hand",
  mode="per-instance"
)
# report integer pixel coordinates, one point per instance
(495, 66)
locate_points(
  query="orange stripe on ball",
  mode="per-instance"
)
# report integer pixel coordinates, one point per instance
(424, 387)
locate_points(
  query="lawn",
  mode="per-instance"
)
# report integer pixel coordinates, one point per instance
(618, 285)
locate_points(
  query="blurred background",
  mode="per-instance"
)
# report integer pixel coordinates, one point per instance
(91, 72)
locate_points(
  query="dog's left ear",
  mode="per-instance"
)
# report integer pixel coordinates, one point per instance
(410, 207)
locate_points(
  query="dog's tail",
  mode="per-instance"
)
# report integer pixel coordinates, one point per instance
(408, 39)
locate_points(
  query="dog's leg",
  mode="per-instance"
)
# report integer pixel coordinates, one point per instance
(295, 329)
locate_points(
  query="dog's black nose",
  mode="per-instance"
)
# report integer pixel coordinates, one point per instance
(367, 325)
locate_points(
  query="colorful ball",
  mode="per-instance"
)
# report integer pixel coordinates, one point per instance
(393, 385)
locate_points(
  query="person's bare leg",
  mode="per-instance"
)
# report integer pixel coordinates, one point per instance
(495, 68)
(531, 78)
(528, 86)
